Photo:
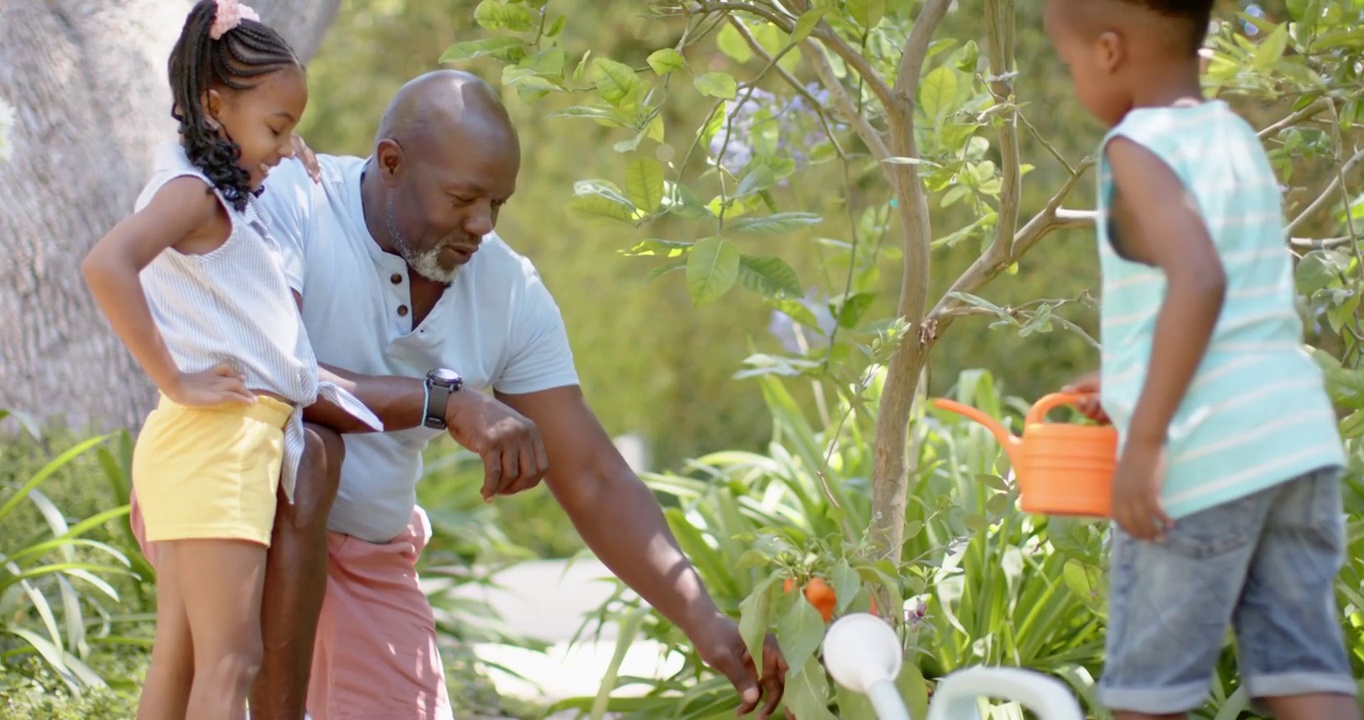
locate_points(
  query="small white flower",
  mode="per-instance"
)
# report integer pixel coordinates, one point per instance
(6, 124)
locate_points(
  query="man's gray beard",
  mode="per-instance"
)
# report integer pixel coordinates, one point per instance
(426, 263)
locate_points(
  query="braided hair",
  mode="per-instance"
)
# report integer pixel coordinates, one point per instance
(236, 61)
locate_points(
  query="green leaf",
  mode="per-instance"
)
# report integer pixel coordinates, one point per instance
(846, 584)
(471, 49)
(716, 84)
(712, 269)
(732, 43)
(769, 276)
(938, 93)
(753, 616)
(497, 15)
(615, 81)
(515, 75)
(853, 308)
(759, 178)
(913, 689)
(807, 23)
(1353, 425)
(713, 123)
(867, 13)
(601, 199)
(776, 224)
(852, 704)
(799, 633)
(644, 184)
(666, 268)
(1272, 48)
(666, 61)
(557, 27)
(1320, 269)
(1086, 581)
(807, 689)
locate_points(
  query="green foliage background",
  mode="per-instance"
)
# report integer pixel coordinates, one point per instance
(650, 361)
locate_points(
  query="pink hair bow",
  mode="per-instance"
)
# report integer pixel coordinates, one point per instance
(230, 14)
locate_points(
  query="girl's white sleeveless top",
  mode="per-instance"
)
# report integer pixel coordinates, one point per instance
(233, 306)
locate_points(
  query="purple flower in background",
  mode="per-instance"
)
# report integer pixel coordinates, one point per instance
(914, 613)
(799, 339)
(751, 121)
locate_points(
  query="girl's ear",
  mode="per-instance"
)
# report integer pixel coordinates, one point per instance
(213, 105)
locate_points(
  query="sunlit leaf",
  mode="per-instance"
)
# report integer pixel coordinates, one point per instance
(716, 84)
(666, 60)
(644, 184)
(769, 276)
(712, 269)
(470, 49)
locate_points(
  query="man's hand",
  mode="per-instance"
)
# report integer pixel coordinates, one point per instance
(1089, 407)
(514, 457)
(722, 647)
(306, 155)
(1136, 490)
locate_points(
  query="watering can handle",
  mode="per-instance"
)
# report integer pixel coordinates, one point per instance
(1038, 412)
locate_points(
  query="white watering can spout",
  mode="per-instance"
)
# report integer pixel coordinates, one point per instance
(864, 654)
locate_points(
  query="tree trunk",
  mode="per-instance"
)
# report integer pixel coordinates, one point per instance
(88, 82)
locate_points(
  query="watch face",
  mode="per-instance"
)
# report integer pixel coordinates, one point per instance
(444, 376)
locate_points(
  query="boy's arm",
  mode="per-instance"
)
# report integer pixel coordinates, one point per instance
(1164, 229)
(1170, 234)
(178, 210)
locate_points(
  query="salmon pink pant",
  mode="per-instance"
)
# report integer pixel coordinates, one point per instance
(376, 656)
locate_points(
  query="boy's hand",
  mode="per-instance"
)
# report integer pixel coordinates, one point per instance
(1089, 407)
(220, 385)
(1136, 491)
(306, 155)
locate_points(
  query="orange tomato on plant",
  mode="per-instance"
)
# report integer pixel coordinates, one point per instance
(818, 593)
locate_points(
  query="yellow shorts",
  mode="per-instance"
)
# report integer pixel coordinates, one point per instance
(210, 472)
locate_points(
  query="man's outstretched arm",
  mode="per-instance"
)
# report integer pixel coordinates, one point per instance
(621, 522)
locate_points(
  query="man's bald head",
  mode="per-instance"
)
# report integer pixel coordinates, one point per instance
(447, 158)
(443, 105)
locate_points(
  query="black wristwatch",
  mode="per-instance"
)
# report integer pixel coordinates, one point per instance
(439, 384)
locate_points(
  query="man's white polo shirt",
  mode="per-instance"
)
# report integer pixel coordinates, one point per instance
(496, 324)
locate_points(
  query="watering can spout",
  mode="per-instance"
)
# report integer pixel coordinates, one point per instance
(1010, 442)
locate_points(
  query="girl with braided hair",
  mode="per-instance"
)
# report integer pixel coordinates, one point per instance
(193, 284)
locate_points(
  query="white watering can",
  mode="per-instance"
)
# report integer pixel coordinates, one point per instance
(864, 655)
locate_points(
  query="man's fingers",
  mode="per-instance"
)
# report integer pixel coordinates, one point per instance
(541, 455)
(530, 472)
(774, 676)
(511, 469)
(745, 680)
(492, 473)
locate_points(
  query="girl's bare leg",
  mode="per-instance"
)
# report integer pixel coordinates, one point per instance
(165, 694)
(221, 581)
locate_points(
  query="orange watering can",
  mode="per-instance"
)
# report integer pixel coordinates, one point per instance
(1062, 469)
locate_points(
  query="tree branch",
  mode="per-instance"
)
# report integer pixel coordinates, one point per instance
(846, 107)
(999, 23)
(915, 51)
(1312, 109)
(997, 257)
(826, 35)
(1326, 195)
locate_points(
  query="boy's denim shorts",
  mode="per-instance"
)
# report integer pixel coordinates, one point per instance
(1266, 564)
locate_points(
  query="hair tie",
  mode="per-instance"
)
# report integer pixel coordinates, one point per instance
(228, 15)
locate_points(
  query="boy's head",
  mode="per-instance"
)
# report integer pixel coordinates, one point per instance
(1118, 49)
